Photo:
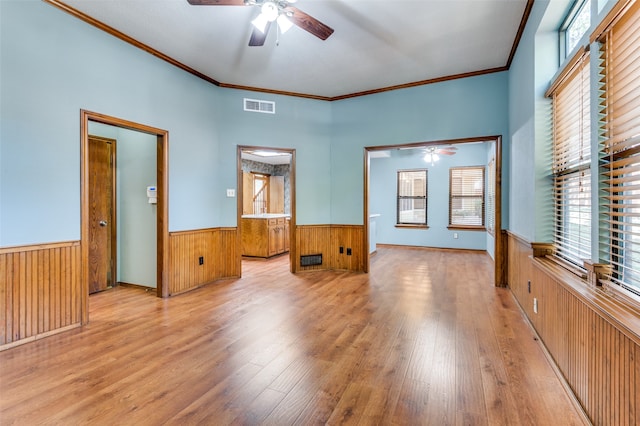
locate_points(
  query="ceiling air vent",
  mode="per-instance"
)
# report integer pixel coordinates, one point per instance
(256, 105)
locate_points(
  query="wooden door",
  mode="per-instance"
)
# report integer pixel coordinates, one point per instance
(102, 229)
(247, 193)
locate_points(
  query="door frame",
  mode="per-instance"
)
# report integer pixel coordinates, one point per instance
(162, 218)
(292, 192)
(113, 219)
(499, 249)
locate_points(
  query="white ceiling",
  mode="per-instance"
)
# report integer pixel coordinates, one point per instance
(273, 159)
(376, 44)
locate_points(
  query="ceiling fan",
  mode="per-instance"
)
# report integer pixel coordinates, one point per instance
(280, 11)
(432, 153)
(441, 150)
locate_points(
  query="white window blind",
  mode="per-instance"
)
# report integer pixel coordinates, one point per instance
(620, 100)
(412, 197)
(466, 197)
(571, 163)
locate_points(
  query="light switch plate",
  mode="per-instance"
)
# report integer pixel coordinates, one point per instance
(231, 192)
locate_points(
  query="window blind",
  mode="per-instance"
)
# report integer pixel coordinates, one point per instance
(571, 163)
(466, 196)
(620, 179)
(412, 197)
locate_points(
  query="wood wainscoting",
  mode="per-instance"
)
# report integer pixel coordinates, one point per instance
(593, 339)
(220, 254)
(40, 285)
(327, 240)
(40, 291)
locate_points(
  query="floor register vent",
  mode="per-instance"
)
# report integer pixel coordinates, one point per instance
(311, 260)
(256, 105)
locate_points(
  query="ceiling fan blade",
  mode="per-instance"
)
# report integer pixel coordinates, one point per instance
(445, 152)
(258, 37)
(309, 23)
(217, 2)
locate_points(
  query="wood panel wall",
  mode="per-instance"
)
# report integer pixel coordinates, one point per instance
(593, 339)
(327, 240)
(519, 271)
(40, 291)
(219, 248)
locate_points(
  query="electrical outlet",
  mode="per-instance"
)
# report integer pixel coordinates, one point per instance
(201, 260)
(535, 305)
(341, 250)
(455, 235)
(349, 252)
(231, 192)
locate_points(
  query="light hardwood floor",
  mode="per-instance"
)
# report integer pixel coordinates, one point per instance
(424, 338)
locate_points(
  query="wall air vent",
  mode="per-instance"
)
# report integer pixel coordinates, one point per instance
(311, 260)
(256, 105)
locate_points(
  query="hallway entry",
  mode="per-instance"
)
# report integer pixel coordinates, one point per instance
(92, 222)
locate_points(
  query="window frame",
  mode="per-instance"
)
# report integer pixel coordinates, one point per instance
(482, 197)
(400, 198)
(570, 19)
(264, 178)
(490, 219)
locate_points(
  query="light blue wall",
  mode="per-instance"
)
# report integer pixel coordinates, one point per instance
(455, 109)
(136, 218)
(535, 63)
(300, 124)
(522, 130)
(52, 65)
(383, 192)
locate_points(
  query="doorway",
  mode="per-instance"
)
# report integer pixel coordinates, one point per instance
(266, 197)
(162, 233)
(499, 236)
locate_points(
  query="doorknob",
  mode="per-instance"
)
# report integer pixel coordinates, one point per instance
(103, 223)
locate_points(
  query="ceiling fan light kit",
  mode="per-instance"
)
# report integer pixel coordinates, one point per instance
(269, 10)
(284, 24)
(280, 11)
(430, 157)
(260, 22)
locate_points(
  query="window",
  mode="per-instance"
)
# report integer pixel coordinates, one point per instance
(620, 164)
(466, 197)
(491, 197)
(412, 197)
(576, 24)
(572, 162)
(260, 193)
